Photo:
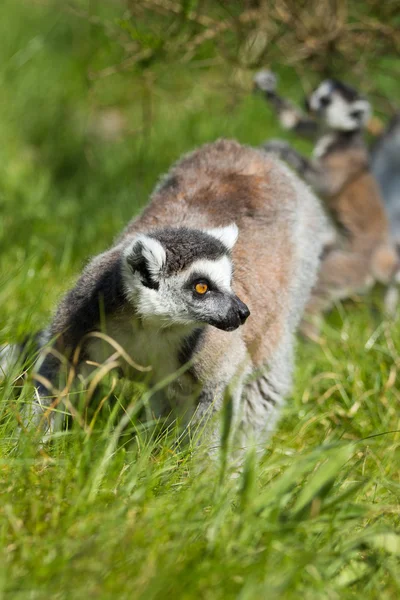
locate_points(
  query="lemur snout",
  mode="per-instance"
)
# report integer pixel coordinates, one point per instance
(237, 315)
(234, 316)
(243, 311)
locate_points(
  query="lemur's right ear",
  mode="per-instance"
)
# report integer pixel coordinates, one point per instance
(227, 235)
(146, 256)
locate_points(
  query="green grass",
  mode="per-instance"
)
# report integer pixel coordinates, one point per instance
(102, 515)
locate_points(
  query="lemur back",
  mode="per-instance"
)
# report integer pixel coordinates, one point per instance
(385, 162)
(167, 295)
(360, 250)
(352, 195)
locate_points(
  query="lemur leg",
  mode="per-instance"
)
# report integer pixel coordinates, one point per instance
(239, 420)
(262, 403)
(341, 275)
(217, 416)
(290, 116)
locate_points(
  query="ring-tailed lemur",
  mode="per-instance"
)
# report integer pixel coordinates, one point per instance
(177, 285)
(384, 154)
(360, 251)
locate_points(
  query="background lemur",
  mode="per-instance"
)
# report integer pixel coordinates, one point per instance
(360, 250)
(177, 286)
(385, 162)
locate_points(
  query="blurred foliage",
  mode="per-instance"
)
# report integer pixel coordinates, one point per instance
(324, 36)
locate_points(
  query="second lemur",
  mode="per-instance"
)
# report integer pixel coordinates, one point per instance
(360, 251)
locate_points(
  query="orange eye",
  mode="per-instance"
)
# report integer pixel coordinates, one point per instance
(201, 288)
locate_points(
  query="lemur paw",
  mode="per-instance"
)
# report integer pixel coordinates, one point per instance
(265, 81)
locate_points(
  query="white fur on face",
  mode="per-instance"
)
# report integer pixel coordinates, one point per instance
(338, 114)
(325, 89)
(173, 302)
(227, 235)
(218, 271)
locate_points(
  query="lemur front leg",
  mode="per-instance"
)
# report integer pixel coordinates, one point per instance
(216, 418)
(262, 404)
(290, 116)
(241, 417)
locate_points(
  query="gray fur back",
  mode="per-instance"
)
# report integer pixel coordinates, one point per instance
(386, 168)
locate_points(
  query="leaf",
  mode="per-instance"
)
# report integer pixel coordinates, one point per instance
(376, 540)
(248, 479)
(278, 491)
(351, 573)
(390, 542)
(350, 491)
(323, 478)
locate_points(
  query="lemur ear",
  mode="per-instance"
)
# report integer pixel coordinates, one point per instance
(146, 256)
(361, 110)
(227, 235)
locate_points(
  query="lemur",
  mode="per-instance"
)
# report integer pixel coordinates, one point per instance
(360, 250)
(227, 231)
(385, 162)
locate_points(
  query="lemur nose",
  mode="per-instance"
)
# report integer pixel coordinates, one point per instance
(243, 311)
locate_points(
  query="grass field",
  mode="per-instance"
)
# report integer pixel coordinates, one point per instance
(98, 515)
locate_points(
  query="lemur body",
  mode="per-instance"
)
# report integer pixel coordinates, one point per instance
(360, 251)
(148, 293)
(385, 162)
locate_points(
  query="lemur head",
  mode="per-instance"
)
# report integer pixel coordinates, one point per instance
(340, 106)
(183, 276)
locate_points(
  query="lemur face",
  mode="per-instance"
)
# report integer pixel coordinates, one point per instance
(183, 276)
(339, 106)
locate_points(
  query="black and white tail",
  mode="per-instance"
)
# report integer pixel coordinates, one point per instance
(21, 354)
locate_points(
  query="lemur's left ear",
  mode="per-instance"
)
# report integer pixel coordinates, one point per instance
(146, 256)
(227, 235)
(361, 110)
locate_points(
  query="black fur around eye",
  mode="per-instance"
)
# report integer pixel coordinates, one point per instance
(325, 101)
(356, 114)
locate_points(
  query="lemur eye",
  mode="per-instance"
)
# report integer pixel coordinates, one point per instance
(356, 114)
(201, 287)
(325, 101)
